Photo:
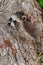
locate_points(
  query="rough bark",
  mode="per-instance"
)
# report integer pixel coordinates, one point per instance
(21, 44)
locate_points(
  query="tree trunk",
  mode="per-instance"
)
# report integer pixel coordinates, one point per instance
(21, 44)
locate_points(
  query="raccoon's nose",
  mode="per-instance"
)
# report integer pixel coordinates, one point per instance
(9, 23)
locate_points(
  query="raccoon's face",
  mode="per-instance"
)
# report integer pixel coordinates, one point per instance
(13, 22)
(17, 18)
(22, 16)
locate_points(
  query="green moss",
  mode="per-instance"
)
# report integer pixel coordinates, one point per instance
(40, 3)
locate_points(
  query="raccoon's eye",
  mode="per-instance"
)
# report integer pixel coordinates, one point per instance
(10, 19)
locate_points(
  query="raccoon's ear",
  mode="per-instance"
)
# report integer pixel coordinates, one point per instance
(10, 19)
